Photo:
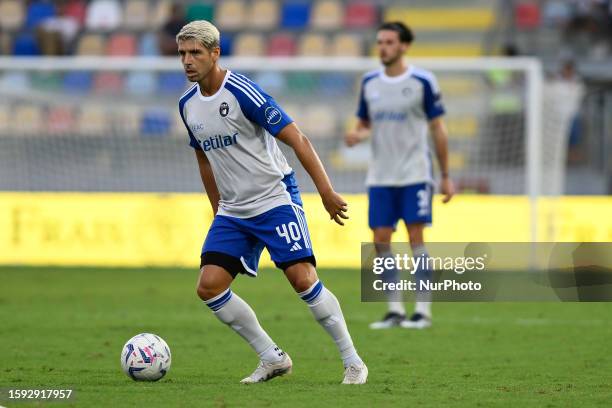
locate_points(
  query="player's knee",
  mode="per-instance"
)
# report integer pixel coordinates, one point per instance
(209, 287)
(301, 276)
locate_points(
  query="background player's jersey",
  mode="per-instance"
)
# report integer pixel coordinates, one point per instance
(235, 129)
(399, 110)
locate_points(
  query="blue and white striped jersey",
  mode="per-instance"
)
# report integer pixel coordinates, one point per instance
(235, 128)
(399, 110)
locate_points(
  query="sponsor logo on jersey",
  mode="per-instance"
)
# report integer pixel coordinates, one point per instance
(407, 92)
(219, 142)
(273, 115)
(197, 127)
(224, 109)
(390, 116)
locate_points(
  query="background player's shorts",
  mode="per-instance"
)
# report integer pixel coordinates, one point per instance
(236, 243)
(387, 205)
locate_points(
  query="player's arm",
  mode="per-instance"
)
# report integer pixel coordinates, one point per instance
(439, 134)
(333, 202)
(208, 179)
(361, 133)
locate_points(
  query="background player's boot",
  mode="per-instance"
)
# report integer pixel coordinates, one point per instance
(266, 370)
(355, 373)
(391, 319)
(417, 321)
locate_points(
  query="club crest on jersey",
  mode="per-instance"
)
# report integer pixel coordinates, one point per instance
(224, 109)
(273, 115)
(219, 142)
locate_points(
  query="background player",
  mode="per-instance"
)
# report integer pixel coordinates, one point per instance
(398, 105)
(232, 126)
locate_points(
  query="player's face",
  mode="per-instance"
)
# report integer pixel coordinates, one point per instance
(197, 60)
(390, 48)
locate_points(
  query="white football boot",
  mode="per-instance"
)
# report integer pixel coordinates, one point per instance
(390, 320)
(355, 374)
(416, 321)
(267, 370)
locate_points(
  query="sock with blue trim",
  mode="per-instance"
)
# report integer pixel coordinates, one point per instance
(422, 274)
(326, 310)
(238, 315)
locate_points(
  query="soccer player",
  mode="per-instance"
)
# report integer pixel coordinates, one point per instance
(233, 126)
(398, 106)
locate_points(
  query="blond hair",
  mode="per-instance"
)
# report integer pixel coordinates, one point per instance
(202, 31)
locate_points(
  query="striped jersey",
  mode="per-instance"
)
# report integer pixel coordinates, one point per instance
(399, 110)
(236, 129)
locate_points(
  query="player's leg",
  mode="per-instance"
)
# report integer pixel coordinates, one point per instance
(382, 218)
(326, 310)
(417, 215)
(225, 248)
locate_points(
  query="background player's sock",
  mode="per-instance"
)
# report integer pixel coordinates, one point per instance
(237, 314)
(326, 309)
(422, 273)
(395, 299)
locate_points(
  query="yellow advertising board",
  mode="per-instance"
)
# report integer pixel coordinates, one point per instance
(131, 229)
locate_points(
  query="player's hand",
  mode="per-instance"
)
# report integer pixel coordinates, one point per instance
(352, 138)
(447, 188)
(336, 206)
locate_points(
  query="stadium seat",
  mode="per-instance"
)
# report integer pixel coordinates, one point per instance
(90, 44)
(27, 120)
(127, 120)
(60, 120)
(77, 9)
(140, 83)
(313, 45)
(171, 83)
(25, 45)
(6, 44)
(227, 42)
(148, 45)
(37, 12)
(103, 15)
(272, 82)
(197, 11)
(156, 122)
(527, 15)
(121, 45)
(230, 15)
(15, 81)
(11, 15)
(335, 84)
(136, 14)
(295, 15)
(281, 45)
(249, 45)
(443, 19)
(77, 82)
(346, 45)
(360, 15)
(160, 14)
(92, 121)
(108, 83)
(327, 15)
(319, 122)
(264, 14)
(46, 81)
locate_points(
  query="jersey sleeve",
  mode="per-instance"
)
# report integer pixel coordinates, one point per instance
(192, 140)
(258, 106)
(432, 98)
(362, 110)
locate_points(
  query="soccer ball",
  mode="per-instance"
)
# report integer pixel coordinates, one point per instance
(145, 357)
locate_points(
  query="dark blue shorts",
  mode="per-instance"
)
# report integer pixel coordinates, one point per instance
(282, 230)
(387, 205)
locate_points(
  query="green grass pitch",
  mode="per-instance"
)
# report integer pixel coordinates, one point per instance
(64, 328)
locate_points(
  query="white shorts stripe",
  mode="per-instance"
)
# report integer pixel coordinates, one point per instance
(257, 103)
(249, 88)
(303, 225)
(249, 84)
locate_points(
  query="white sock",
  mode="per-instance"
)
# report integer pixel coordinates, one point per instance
(423, 299)
(394, 297)
(238, 315)
(423, 308)
(326, 310)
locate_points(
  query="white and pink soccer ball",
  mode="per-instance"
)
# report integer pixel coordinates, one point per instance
(146, 357)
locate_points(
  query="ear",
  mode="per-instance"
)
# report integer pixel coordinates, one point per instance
(216, 53)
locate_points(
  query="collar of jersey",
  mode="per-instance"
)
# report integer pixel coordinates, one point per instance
(213, 96)
(396, 79)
